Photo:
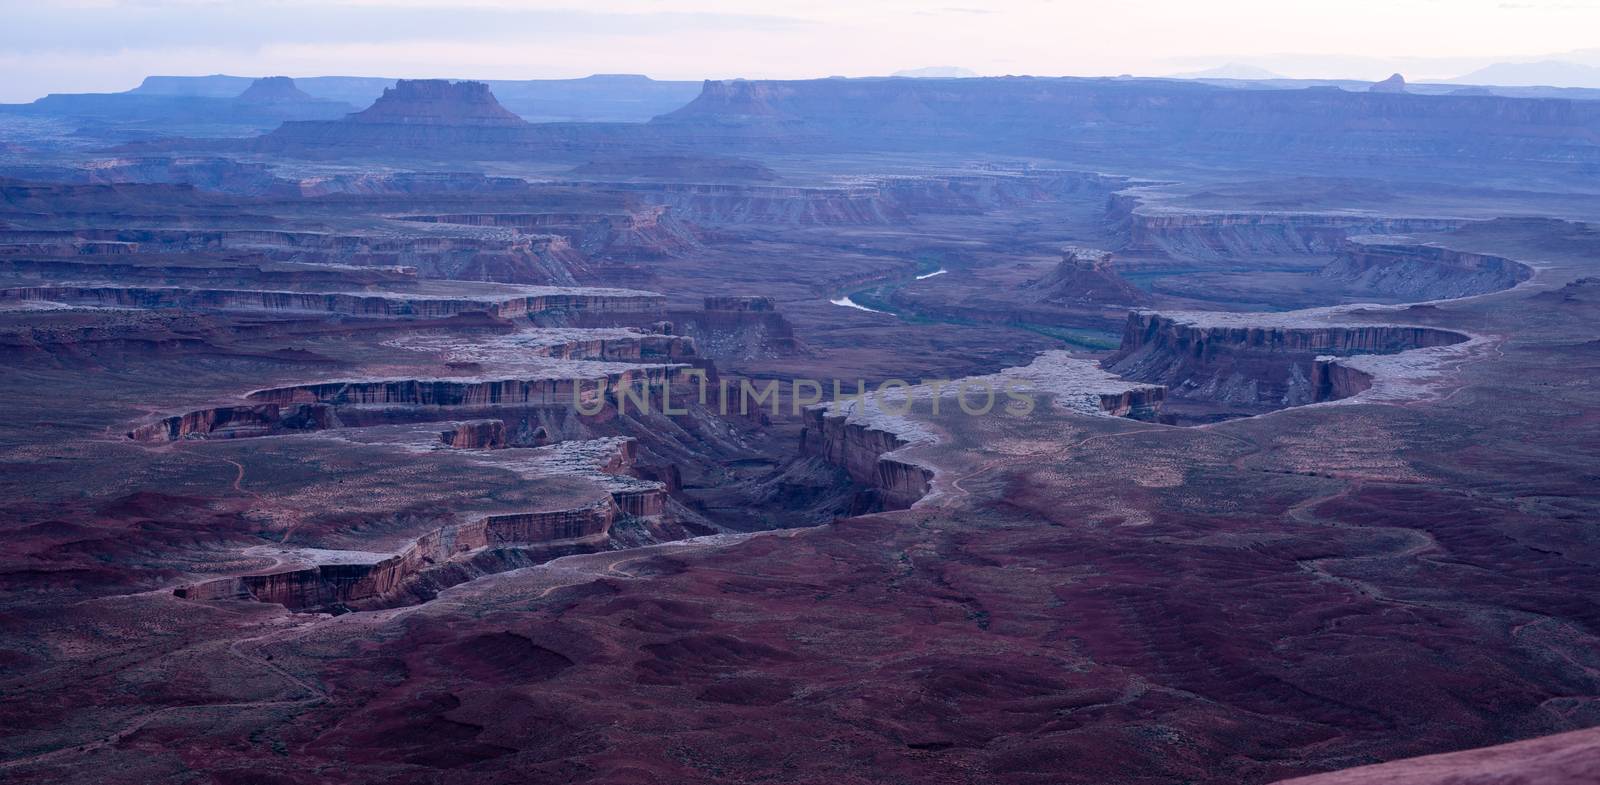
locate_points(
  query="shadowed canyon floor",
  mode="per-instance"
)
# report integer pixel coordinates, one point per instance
(308, 475)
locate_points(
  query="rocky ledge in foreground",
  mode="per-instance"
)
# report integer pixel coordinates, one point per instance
(1563, 759)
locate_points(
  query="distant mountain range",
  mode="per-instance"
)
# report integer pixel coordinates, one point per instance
(1230, 71)
(938, 72)
(1551, 73)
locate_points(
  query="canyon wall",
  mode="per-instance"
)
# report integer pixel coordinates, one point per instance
(476, 435)
(363, 403)
(459, 552)
(1218, 359)
(644, 232)
(738, 328)
(861, 449)
(1144, 119)
(551, 302)
(432, 563)
(1421, 272)
(1214, 236)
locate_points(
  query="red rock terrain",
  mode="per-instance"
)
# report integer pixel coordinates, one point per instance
(318, 472)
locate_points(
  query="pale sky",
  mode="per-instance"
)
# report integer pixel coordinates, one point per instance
(109, 45)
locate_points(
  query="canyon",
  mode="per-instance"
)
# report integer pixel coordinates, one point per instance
(1014, 430)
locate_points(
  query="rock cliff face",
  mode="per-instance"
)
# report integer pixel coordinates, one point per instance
(738, 203)
(274, 90)
(459, 552)
(647, 232)
(241, 258)
(444, 558)
(867, 437)
(318, 406)
(860, 449)
(545, 391)
(61, 261)
(476, 435)
(431, 118)
(1210, 358)
(231, 422)
(1332, 380)
(1421, 272)
(1242, 235)
(1085, 277)
(437, 102)
(738, 328)
(874, 201)
(552, 302)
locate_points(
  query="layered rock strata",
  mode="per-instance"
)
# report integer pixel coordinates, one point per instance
(476, 435)
(1257, 359)
(1394, 267)
(528, 302)
(1085, 276)
(738, 327)
(1212, 236)
(870, 438)
(459, 552)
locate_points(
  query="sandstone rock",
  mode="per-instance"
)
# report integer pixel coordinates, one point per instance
(437, 102)
(1256, 359)
(738, 327)
(1394, 267)
(273, 90)
(1085, 276)
(1220, 235)
(476, 435)
(1394, 84)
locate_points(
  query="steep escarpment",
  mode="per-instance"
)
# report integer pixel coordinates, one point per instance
(476, 435)
(554, 390)
(880, 200)
(738, 328)
(532, 302)
(868, 436)
(63, 261)
(1141, 118)
(1393, 267)
(1211, 236)
(540, 374)
(646, 232)
(1256, 361)
(743, 203)
(677, 167)
(238, 421)
(432, 118)
(458, 552)
(863, 450)
(510, 258)
(445, 558)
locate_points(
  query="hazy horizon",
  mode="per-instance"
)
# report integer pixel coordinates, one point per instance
(111, 45)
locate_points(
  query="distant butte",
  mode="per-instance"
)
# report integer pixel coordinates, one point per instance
(274, 90)
(1394, 84)
(438, 102)
(424, 118)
